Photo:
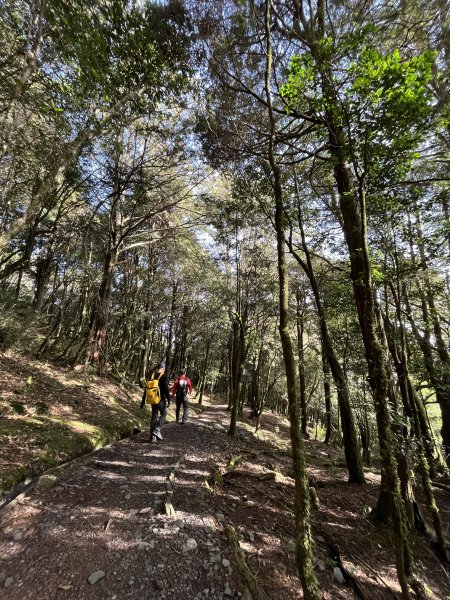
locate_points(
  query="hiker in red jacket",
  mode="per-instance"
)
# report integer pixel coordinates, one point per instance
(181, 388)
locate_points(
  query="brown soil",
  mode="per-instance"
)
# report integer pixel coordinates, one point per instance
(49, 415)
(89, 517)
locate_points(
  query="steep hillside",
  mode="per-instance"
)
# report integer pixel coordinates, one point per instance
(49, 415)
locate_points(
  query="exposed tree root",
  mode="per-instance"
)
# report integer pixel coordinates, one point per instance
(335, 555)
(272, 476)
(257, 592)
(168, 504)
(217, 477)
(367, 566)
(441, 486)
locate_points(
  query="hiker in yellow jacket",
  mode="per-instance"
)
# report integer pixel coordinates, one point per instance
(157, 394)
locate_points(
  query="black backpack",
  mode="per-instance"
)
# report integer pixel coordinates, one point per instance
(182, 389)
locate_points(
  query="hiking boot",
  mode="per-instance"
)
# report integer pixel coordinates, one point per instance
(157, 433)
(153, 439)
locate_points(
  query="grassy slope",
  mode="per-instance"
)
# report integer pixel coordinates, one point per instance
(49, 415)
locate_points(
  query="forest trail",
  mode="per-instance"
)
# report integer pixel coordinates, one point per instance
(108, 517)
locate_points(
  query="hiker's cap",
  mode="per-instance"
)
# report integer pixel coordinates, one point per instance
(183, 371)
(162, 366)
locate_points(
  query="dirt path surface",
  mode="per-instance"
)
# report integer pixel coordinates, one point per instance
(136, 520)
(101, 530)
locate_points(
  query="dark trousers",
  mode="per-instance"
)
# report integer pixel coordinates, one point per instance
(184, 402)
(159, 412)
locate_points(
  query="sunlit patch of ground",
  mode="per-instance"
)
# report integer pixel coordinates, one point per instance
(50, 415)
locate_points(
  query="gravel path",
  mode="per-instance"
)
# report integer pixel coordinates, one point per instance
(133, 520)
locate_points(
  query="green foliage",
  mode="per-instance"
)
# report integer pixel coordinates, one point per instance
(388, 104)
(303, 87)
(383, 102)
(111, 49)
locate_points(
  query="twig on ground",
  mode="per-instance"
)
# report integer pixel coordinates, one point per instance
(108, 524)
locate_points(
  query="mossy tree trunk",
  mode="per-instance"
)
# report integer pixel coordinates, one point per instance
(305, 558)
(327, 395)
(299, 296)
(352, 207)
(442, 382)
(349, 432)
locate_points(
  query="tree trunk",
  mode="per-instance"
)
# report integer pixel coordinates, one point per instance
(169, 366)
(443, 385)
(352, 206)
(231, 377)
(365, 433)
(305, 557)
(182, 345)
(97, 351)
(301, 361)
(43, 273)
(349, 433)
(34, 40)
(204, 371)
(438, 370)
(240, 360)
(327, 396)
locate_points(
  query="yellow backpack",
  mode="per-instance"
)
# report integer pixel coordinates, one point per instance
(152, 394)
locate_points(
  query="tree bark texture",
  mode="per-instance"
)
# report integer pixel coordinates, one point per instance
(301, 361)
(305, 557)
(351, 206)
(349, 432)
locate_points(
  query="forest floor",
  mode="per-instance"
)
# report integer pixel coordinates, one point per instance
(198, 515)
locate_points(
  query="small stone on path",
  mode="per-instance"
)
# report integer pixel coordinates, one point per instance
(145, 510)
(189, 545)
(338, 575)
(144, 546)
(94, 577)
